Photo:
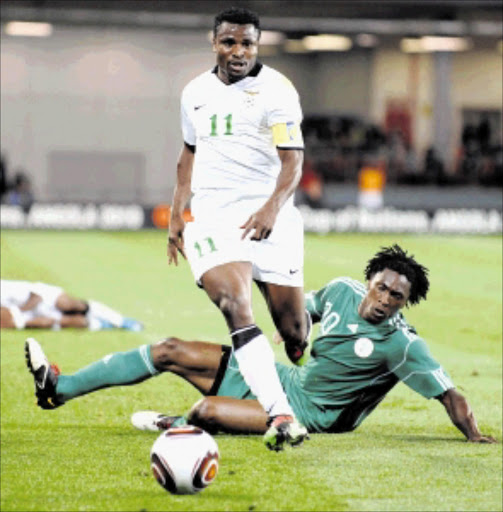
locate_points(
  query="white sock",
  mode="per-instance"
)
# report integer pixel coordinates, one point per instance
(102, 311)
(256, 363)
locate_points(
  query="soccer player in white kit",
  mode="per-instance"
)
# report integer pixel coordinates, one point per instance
(27, 304)
(242, 160)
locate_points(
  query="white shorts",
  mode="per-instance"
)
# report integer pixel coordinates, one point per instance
(279, 259)
(44, 310)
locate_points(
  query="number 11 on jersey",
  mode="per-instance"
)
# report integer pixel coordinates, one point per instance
(208, 247)
(214, 125)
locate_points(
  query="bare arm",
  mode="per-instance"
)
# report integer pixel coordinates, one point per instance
(462, 416)
(180, 197)
(7, 321)
(40, 322)
(33, 301)
(262, 221)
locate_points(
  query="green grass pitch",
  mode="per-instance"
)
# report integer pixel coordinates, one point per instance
(405, 456)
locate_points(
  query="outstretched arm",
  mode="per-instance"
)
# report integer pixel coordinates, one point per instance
(180, 197)
(40, 322)
(462, 416)
(10, 319)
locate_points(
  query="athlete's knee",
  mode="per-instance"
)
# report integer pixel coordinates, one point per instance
(204, 414)
(236, 308)
(231, 292)
(166, 353)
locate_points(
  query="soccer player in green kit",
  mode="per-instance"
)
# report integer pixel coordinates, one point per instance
(363, 349)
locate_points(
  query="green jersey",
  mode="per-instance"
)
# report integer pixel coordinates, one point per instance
(353, 363)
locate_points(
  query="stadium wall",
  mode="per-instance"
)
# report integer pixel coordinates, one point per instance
(133, 217)
(116, 90)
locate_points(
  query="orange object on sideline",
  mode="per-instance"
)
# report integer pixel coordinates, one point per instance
(371, 178)
(162, 213)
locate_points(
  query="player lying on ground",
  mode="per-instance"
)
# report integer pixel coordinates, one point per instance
(364, 348)
(28, 305)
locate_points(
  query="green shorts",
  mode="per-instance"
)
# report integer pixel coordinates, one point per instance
(229, 382)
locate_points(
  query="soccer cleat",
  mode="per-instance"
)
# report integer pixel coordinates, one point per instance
(284, 429)
(44, 374)
(132, 325)
(153, 421)
(298, 354)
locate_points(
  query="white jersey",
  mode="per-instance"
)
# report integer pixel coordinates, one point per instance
(237, 129)
(14, 293)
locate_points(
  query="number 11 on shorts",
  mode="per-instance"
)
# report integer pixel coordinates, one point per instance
(205, 248)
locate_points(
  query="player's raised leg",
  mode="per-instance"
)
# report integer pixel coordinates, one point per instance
(196, 362)
(294, 324)
(229, 287)
(45, 376)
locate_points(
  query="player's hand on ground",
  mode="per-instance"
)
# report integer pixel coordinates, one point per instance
(260, 224)
(175, 240)
(276, 338)
(483, 439)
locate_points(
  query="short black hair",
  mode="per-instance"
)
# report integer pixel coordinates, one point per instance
(238, 15)
(395, 258)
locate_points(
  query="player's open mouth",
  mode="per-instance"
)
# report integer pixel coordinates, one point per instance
(379, 314)
(237, 66)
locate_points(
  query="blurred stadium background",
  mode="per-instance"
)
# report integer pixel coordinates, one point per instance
(402, 104)
(403, 132)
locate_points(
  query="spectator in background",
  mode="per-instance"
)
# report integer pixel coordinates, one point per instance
(484, 135)
(397, 156)
(491, 169)
(20, 193)
(433, 167)
(310, 189)
(3, 177)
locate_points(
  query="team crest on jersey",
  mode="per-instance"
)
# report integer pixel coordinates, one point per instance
(364, 347)
(353, 328)
(250, 98)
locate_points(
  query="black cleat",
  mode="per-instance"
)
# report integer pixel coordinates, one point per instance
(44, 374)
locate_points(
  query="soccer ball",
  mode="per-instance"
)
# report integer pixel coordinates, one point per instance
(184, 460)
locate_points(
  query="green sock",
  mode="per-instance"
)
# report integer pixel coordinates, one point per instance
(118, 369)
(181, 421)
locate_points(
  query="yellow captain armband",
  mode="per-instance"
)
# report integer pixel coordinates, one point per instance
(287, 135)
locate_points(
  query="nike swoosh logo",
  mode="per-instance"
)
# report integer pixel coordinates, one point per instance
(41, 386)
(199, 106)
(294, 271)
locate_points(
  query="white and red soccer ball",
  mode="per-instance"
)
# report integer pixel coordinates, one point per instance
(184, 460)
